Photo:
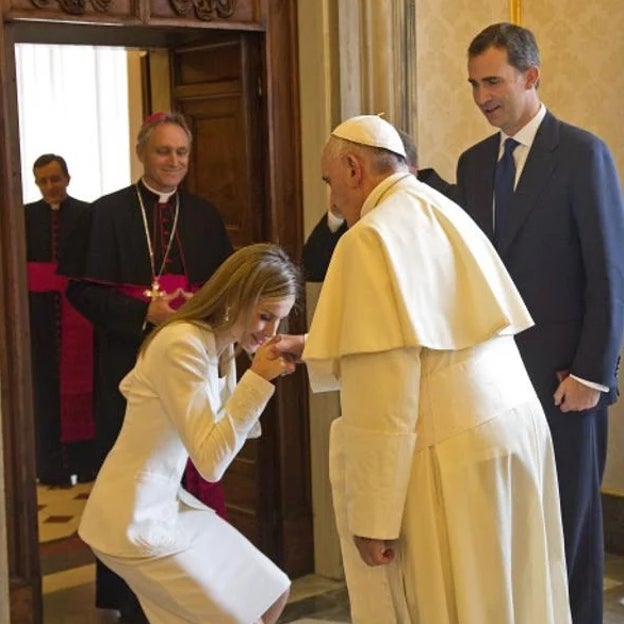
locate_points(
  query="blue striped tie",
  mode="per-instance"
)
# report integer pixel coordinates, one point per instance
(503, 189)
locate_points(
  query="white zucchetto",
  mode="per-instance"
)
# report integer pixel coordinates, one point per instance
(371, 130)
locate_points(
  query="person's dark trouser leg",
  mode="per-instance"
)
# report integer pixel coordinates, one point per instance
(580, 440)
(82, 460)
(112, 592)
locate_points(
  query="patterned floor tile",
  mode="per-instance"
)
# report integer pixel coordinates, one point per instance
(68, 583)
(59, 510)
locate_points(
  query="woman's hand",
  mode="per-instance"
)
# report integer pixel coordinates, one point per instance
(266, 364)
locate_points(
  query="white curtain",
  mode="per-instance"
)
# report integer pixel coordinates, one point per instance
(73, 101)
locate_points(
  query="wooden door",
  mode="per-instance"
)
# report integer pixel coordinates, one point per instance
(218, 87)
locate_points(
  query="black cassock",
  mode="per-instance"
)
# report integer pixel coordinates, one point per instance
(47, 234)
(116, 271)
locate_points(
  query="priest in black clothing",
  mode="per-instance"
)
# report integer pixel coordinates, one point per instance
(320, 245)
(150, 246)
(61, 340)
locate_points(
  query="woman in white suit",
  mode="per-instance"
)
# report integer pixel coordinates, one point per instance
(184, 562)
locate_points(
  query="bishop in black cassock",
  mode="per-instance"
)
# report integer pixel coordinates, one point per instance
(61, 340)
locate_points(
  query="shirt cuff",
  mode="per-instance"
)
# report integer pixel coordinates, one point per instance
(591, 384)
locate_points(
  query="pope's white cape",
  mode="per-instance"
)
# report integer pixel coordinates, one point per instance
(434, 282)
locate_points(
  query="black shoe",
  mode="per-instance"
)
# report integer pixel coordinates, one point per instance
(87, 476)
(132, 615)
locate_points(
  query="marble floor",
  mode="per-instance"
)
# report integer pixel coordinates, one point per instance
(68, 574)
(69, 594)
(68, 599)
(68, 571)
(614, 590)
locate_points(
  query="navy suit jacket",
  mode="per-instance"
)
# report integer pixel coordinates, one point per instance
(563, 248)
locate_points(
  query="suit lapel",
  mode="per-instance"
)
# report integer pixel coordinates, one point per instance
(484, 185)
(537, 171)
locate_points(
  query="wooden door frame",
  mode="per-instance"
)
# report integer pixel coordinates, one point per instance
(277, 20)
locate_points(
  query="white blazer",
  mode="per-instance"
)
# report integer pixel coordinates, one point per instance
(177, 405)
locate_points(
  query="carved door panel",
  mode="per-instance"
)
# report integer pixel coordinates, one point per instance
(218, 88)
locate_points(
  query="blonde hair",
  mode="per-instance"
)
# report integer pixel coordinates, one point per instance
(255, 272)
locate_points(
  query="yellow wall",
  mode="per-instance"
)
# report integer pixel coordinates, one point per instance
(135, 109)
(582, 51)
(160, 95)
(447, 120)
(318, 93)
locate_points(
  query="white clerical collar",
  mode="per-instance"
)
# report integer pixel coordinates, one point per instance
(163, 198)
(55, 207)
(376, 195)
(526, 135)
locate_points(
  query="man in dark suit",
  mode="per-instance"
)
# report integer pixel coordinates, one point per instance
(320, 245)
(559, 234)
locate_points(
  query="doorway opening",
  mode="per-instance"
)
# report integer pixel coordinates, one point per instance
(239, 133)
(75, 101)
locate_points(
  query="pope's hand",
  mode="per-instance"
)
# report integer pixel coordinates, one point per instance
(290, 346)
(375, 552)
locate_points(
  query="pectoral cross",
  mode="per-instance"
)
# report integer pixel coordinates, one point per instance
(154, 292)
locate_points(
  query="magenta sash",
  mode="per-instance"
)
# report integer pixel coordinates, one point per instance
(75, 357)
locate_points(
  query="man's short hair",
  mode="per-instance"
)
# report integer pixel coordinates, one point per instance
(158, 119)
(519, 42)
(381, 160)
(46, 159)
(410, 148)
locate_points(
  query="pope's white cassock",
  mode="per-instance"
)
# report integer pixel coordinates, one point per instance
(442, 443)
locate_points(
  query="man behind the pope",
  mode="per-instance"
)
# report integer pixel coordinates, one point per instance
(442, 468)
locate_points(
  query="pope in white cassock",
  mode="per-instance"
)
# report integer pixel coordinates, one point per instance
(442, 468)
